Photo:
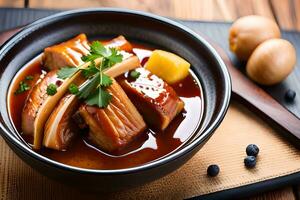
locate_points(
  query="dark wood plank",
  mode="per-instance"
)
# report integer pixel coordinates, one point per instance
(297, 191)
(282, 194)
(260, 102)
(218, 33)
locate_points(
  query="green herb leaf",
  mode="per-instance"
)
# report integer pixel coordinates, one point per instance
(29, 78)
(90, 70)
(100, 98)
(73, 89)
(87, 90)
(93, 91)
(105, 80)
(88, 87)
(115, 57)
(90, 57)
(134, 74)
(23, 87)
(100, 49)
(66, 72)
(51, 89)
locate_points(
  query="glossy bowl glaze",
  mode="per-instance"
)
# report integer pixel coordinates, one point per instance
(136, 26)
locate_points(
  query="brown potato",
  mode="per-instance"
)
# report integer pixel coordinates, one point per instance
(271, 62)
(248, 32)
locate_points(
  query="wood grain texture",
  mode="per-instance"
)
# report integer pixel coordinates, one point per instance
(285, 12)
(259, 101)
(262, 103)
(12, 3)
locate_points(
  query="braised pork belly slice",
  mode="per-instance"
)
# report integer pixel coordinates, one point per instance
(60, 129)
(37, 96)
(155, 99)
(39, 106)
(43, 104)
(113, 127)
(68, 53)
(119, 42)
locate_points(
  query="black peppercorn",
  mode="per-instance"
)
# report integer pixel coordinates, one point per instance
(290, 95)
(250, 161)
(252, 150)
(213, 170)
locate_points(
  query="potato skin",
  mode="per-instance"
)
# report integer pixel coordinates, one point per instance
(271, 62)
(248, 32)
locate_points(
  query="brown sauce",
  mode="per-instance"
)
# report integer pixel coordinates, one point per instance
(147, 147)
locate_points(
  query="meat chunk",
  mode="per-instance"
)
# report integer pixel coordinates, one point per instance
(155, 99)
(68, 53)
(35, 99)
(60, 129)
(120, 43)
(40, 108)
(113, 127)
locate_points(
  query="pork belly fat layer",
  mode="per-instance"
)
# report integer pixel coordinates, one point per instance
(60, 129)
(155, 99)
(68, 53)
(112, 128)
(120, 43)
(36, 97)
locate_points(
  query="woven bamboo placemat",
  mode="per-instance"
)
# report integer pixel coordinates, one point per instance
(226, 148)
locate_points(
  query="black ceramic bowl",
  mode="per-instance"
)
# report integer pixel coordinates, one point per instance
(136, 26)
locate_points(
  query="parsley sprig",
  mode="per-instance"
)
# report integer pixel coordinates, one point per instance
(94, 90)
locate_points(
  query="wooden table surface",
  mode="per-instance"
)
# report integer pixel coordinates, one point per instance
(285, 12)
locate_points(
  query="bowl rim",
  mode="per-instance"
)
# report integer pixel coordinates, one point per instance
(184, 150)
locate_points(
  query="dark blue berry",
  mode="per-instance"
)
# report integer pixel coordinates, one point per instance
(252, 150)
(250, 161)
(290, 95)
(213, 170)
